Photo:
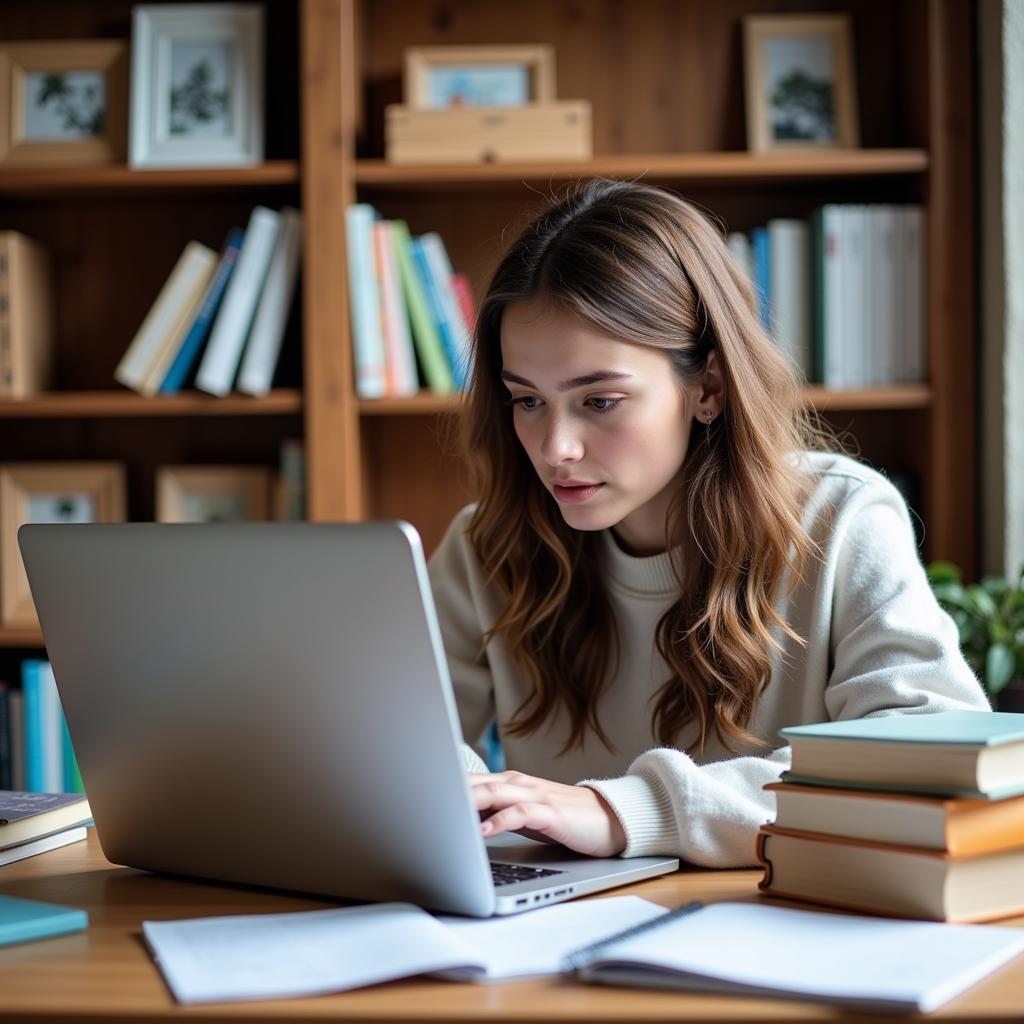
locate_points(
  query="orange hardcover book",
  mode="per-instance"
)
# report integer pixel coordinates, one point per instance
(960, 826)
(896, 881)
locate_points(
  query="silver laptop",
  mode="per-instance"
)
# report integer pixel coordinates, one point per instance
(270, 704)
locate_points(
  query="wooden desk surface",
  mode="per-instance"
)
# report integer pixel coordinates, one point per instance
(106, 972)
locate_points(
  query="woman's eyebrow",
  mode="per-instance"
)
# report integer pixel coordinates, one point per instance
(575, 382)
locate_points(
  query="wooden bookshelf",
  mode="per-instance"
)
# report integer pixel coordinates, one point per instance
(55, 182)
(20, 637)
(73, 404)
(665, 80)
(671, 167)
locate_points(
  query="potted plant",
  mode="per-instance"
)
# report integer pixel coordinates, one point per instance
(990, 618)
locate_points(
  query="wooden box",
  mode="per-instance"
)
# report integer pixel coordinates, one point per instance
(538, 131)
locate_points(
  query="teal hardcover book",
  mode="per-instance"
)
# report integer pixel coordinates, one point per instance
(24, 920)
(956, 753)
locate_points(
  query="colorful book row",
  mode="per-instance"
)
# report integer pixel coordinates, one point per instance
(412, 315)
(36, 754)
(219, 321)
(843, 294)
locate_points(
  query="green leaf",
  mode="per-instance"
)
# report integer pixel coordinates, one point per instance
(953, 594)
(946, 572)
(995, 586)
(983, 602)
(999, 666)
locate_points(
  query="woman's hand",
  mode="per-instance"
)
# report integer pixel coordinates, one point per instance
(575, 816)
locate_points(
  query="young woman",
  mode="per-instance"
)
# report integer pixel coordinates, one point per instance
(666, 565)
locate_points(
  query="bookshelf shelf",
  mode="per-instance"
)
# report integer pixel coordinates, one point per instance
(910, 396)
(737, 168)
(118, 179)
(100, 404)
(20, 637)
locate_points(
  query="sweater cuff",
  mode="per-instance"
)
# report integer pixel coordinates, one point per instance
(644, 810)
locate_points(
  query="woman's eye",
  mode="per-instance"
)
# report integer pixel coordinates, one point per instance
(604, 404)
(526, 402)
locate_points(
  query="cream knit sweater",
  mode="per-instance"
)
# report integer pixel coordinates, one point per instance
(877, 643)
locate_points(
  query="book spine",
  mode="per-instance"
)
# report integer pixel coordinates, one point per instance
(762, 272)
(914, 229)
(271, 318)
(789, 245)
(364, 302)
(441, 269)
(5, 738)
(72, 778)
(52, 731)
(234, 319)
(428, 344)
(432, 291)
(200, 327)
(401, 358)
(6, 344)
(467, 303)
(175, 294)
(16, 719)
(32, 725)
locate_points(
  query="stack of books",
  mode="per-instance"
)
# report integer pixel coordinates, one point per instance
(907, 815)
(32, 823)
(219, 321)
(412, 315)
(843, 293)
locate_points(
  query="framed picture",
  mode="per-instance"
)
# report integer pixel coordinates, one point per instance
(49, 492)
(437, 77)
(197, 85)
(63, 102)
(212, 494)
(800, 86)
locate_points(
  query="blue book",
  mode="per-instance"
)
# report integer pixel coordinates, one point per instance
(32, 725)
(24, 920)
(193, 343)
(762, 274)
(432, 287)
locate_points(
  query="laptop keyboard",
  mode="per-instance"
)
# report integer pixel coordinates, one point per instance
(509, 874)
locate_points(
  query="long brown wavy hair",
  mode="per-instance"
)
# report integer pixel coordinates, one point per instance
(640, 263)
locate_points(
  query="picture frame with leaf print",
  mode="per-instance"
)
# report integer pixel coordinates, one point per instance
(800, 83)
(49, 492)
(63, 102)
(197, 85)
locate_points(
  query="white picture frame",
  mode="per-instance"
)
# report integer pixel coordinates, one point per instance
(197, 85)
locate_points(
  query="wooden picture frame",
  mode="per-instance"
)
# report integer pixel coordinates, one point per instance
(64, 102)
(197, 85)
(800, 83)
(213, 494)
(487, 76)
(49, 492)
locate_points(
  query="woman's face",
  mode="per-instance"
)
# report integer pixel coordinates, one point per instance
(605, 423)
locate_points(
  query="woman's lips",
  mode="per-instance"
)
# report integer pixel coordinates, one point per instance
(573, 494)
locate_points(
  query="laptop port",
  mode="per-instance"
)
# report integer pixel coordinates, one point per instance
(522, 902)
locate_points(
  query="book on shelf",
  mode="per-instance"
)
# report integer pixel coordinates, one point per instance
(950, 753)
(147, 359)
(50, 765)
(433, 360)
(441, 273)
(222, 356)
(188, 352)
(400, 358)
(735, 948)
(24, 920)
(290, 485)
(960, 826)
(463, 289)
(885, 878)
(364, 301)
(270, 320)
(26, 316)
(789, 299)
(28, 817)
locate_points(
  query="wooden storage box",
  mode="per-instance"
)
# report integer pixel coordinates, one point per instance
(539, 131)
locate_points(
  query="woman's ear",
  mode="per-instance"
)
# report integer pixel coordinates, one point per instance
(711, 392)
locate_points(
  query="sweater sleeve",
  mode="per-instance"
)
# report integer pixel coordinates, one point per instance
(462, 634)
(892, 650)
